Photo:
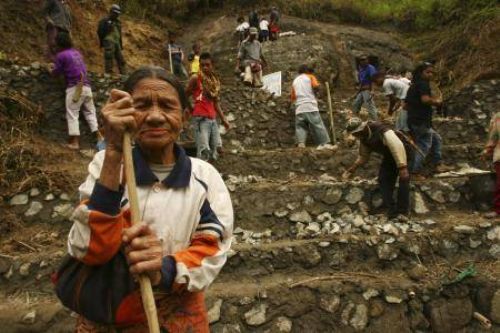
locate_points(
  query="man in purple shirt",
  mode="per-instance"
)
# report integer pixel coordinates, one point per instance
(69, 62)
(366, 72)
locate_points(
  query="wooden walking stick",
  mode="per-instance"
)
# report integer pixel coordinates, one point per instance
(148, 300)
(170, 58)
(330, 113)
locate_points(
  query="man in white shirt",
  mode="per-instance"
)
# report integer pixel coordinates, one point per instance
(395, 90)
(306, 110)
(264, 30)
(242, 29)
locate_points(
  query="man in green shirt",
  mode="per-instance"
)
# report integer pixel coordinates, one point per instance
(110, 38)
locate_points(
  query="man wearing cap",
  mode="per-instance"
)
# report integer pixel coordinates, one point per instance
(395, 150)
(366, 72)
(250, 57)
(110, 38)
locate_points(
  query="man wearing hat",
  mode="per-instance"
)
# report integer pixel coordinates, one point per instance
(395, 150)
(251, 59)
(366, 72)
(110, 38)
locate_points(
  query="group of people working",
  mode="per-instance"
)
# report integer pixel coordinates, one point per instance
(186, 211)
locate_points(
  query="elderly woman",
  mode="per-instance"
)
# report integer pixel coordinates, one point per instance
(185, 208)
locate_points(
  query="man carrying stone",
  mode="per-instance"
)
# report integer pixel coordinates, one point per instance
(109, 32)
(250, 57)
(366, 72)
(205, 89)
(396, 152)
(58, 19)
(307, 115)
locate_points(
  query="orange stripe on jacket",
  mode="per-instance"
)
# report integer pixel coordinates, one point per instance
(105, 237)
(201, 247)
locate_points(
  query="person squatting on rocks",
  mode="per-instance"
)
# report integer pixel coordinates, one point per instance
(492, 151)
(307, 115)
(187, 219)
(194, 59)
(366, 72)
(69, 62)
(205, 89)
(109, 32)
(419, 103)
(395, 90)
(252, 60)
(58, 19)
(396, 154)
(176, 56)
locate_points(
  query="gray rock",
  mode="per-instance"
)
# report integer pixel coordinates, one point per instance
(231, 328)
(34, 192)
(495, 307)
(302, 216)
(324, 244)
(49, 197)
(464, 229)
(257, 315)
(355, 195)
(34, 209)
(62, 211)
(282, 325)
(360, 318)
(386, 252)
(214, 312)
(281, 213)
(358, 221)
(495, 251)
(474, 244)
(454, 197)
(494, 234)
(393, 299)
(24, 270)
(29, 318)
(65, 197)
(417, 272)
(346, 314)
(329, 303)
(313, 228)
(332, 196)
(419, 204)
(438, 196)
(20, 199)
(370, 293)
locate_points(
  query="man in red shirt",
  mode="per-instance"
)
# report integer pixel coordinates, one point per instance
(204, 87)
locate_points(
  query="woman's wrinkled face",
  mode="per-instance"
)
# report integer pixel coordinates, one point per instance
(158, 113)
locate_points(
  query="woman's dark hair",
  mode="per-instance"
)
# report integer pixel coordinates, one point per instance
(63, 40)
(155, 72)
(417, 72)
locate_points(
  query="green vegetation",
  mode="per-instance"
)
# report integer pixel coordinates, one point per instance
(409, 15)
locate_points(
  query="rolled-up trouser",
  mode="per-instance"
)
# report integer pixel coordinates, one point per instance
(310, 120)
(365, 97)
(254, 78)
(113, 52)
(401, 120)
(73, 110)
(429, 141)
(206, 137)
